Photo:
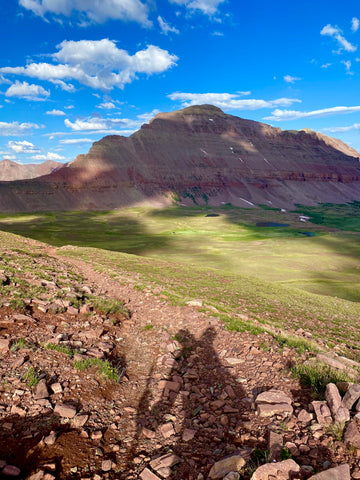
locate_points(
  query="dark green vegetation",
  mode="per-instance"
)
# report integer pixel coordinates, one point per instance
(102, 368)
(254, 278)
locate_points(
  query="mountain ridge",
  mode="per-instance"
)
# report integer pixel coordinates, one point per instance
(199, 155)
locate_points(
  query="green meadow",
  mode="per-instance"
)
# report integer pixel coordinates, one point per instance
(305, 274)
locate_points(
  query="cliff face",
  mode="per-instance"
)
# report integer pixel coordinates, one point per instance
(201, 155)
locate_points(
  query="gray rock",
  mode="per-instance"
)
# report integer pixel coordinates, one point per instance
(333, 398)
(322, 412)
(342, 415)
(352, 435)
(351, 396)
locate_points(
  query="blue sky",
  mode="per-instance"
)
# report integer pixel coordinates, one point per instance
(73, 71)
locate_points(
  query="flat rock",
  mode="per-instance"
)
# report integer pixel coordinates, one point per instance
(285, 469)
(165, 461)
(275, 443)
(341, 472)
(226, 465)
(268, 410)
(273, 397)
(147, 474)
(4, 345)
(67, 411)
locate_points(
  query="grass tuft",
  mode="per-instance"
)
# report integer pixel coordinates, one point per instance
(60, 348)
(103, 368)
(31, 377)
(317, 376)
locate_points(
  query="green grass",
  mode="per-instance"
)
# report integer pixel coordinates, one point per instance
(18, 344)
(60, 348)
(31, 377)
(103, 368)
(317, 376)
(109, 306)
(279, 277)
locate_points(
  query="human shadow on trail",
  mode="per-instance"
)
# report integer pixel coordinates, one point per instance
(197, 413)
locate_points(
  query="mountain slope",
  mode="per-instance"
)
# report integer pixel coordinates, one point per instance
(198, 154)
(10, 171)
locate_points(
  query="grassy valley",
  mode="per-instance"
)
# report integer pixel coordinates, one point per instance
(298, 275)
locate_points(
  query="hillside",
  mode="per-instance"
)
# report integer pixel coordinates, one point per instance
(197, 155)
(10, 171)
(95, 388)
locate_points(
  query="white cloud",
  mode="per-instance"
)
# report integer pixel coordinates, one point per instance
(74, 141)
(56, 113)
(23, 147)
(279, 115)
(355, 126)
(354, 24)
(29, 92)
(9, 157)
(336, 33)
(290, 79)
(48, 156)
(98, 64)
(113, 126)
(208, 7)
(165, 27)
(93, 11)
(326, 65)
(229, 101)
(347, 64)
(107, 105)
(16, 128)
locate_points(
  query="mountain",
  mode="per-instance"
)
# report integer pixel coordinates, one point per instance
(10, 171)
(198, 154)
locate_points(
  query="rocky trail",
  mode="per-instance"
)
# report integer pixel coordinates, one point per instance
(164, 392)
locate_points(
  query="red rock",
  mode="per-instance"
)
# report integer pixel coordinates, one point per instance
(337, 473)
(285, 469)
(167, 430)
(11, 471)
(67, 411)
(147, 474)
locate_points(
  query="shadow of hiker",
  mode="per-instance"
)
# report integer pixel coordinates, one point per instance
(197, 413)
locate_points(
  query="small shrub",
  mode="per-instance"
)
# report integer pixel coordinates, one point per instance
(148, 326)
(317, 376)
(31, 377)
(285, 454)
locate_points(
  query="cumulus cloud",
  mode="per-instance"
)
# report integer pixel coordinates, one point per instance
(229, 101)
(354, 24)
(98, 64)
(94, 11)
(107, 105)
(336, 33)
(48, 156)
(113, 126)
(56, 113)
(208, 7)
(280, 115)
(165, 27)
(23, 147)
(16, 128)
(74, 141)
(290, 79)
(29, 92)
